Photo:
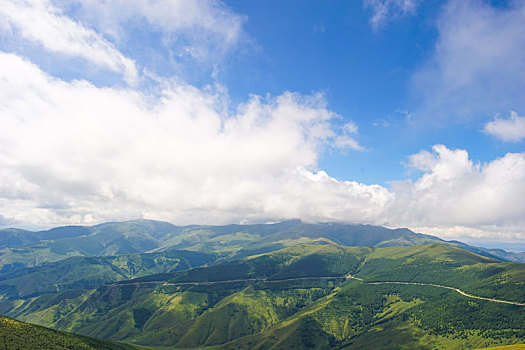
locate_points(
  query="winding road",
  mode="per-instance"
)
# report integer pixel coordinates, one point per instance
(346, 277)
(208, 283)
(439, 286)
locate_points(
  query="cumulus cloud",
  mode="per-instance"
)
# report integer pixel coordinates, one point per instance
(510, 130)
(71, 152)
(40, 22)
(385, 11)
(75, 153)
(456, 192)
(476, 69)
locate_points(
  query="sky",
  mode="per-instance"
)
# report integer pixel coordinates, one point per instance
(402, 113)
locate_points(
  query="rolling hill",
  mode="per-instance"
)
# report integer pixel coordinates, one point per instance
(21, 249)
(24, 336)
(91, 272)
(303, 297)
(64, 242)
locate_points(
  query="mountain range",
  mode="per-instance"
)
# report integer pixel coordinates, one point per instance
(21, 248)
(271, 286)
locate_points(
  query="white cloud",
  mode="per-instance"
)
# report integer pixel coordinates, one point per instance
(201, 29)
(475, 235)
(350, 128)
(455, 192)
(347, 139)
(423, 160)
(39, 21)
(476, 69)
(179, 33)
(385, 11)
(76, 153)
(71, 152)
(510, 130)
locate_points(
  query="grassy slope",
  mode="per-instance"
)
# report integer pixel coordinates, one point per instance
(19, 249)
(43, 294)
(408, 317)
(91, 272)
(252, 308)
(100, 240)
(447, 266)
(397, 317)
(126, 311)
(506, 347)
(18, 335)
(310, 313)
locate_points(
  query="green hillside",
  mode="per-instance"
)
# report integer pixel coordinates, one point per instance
(366, 316)
(21, 249)
(100, 240)
(507, 347)
(299, 297)
(91, 272)
(70, 278)
(12, 238)
(24, 336)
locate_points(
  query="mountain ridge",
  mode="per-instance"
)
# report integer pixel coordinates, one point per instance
(299, 297)
(21, 248)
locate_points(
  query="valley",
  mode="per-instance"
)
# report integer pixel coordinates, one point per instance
(265, 280)
(282, 288)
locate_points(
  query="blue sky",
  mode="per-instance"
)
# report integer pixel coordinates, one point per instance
(365, 74)
(391, 112)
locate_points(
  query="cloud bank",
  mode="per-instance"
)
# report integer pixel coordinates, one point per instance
(456, 192)
(72, 152)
